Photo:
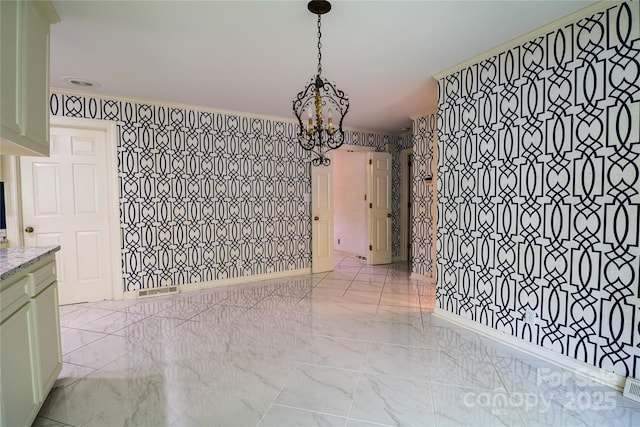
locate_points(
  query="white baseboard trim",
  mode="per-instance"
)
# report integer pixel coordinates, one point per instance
(231, 281)
(430, 280)
(574, 366)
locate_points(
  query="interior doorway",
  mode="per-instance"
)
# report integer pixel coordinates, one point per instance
(409, 190)
(406, 205)
(362, 204)
(350, 231)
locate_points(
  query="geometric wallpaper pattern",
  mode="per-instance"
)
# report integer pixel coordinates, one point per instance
(206, 196)
(424, 132)
(402, 142)
(539, 190)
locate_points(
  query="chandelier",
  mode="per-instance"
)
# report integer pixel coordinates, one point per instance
(318, 100)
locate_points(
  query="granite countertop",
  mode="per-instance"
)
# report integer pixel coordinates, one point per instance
(13, 260)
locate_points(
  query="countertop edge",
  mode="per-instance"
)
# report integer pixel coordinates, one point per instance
(14, 260)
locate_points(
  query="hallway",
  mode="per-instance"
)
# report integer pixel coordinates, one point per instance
(354, 347)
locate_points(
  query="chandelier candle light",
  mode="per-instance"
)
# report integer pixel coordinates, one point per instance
(320, 96)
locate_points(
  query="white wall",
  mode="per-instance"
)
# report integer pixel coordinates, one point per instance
(350, 208)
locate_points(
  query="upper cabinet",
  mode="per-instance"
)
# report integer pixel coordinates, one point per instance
(24, 76)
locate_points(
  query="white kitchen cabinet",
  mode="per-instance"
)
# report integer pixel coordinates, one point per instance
(30, 350)
(20, 396)
(46, 348)
(24, 76)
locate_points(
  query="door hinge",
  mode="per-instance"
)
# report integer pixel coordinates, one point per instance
(370, 247)
(370, 205)
(370, 161)
(365, 197)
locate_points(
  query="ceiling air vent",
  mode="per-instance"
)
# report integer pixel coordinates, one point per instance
(632, 389)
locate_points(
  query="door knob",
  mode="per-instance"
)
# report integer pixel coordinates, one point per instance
(29, 229)
(388, 215)
(316, 218)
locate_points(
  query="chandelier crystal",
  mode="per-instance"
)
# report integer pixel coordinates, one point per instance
(321, 106)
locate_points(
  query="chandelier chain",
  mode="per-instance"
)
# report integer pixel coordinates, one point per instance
(319, 48)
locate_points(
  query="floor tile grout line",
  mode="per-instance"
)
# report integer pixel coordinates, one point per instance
(55, 421)
(433, 403)
(369, 422)
(353, 399)
(312, 411)
(273, 402)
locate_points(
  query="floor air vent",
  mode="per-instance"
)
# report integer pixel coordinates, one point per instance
(146, 293)
(632, 389)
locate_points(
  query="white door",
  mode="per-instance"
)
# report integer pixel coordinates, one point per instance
(322, 218)
(65, 202)
(379, 218)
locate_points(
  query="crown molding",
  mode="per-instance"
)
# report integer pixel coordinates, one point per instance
(551, 26)
(47, 10)
(417, 116)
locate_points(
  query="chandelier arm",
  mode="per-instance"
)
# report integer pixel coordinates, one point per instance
(320, 158)
(336, 140)
(321, 161)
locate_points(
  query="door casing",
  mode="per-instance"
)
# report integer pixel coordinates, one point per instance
(379, 215)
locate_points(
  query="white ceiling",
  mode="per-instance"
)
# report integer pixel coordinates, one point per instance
(255, 56)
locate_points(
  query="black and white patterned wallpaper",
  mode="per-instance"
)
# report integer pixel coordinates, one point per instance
(424, 132)
(402, 142)
(539, 190)
(206, 196)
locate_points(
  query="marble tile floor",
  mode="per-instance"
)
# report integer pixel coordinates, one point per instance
(356, 347)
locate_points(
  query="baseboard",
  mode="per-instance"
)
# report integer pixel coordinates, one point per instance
(574, 366)
(230, 281)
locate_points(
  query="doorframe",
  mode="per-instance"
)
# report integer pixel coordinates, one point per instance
(404, 201)
(361, 149)
(11, 170)
(356, 148)
(369, 168)
(403, 232)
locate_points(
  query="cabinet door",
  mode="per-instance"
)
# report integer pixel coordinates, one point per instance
(48, 351)
(24, 79)
(20, 398)
(9, 66)
(36, 78)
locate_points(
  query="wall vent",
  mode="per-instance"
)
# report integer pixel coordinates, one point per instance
(632, 389)
(146, 293)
